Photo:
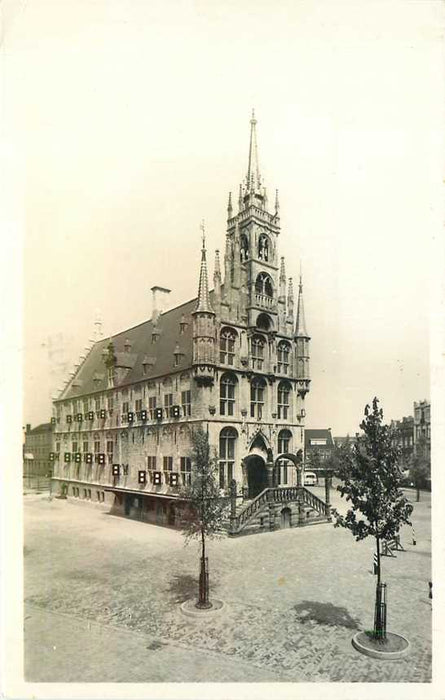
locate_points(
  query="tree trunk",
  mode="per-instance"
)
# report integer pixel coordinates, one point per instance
(203, 544)
(417, 494)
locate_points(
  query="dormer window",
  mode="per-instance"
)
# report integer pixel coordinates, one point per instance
(147, 363)
(183, 325)
(127, 346)
(178, 354)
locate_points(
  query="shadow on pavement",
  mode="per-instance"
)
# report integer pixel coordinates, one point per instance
(182, 587)
(325, 614)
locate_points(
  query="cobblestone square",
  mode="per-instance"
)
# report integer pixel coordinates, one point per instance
(103, 594)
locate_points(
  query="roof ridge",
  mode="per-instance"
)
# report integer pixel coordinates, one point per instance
(150, 320)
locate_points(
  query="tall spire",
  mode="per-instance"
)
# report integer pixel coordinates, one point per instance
(229, 207)
(282, 270)
(277, 203)
(253, 179)
(217, 271)
(300, 325)
(203, 289)
(290, 300)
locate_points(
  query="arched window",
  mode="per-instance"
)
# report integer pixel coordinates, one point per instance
(227, 445)
(264, 322)
(244, 248)
(263, 284)
(284, 441)
(284, 445)
(284, 390)
(227, 346)
(257, 348)
(257, 387)
(227, 394)
(283, 352)
(263, 247)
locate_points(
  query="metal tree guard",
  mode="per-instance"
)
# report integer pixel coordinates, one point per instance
(380, 613)
(204, 601)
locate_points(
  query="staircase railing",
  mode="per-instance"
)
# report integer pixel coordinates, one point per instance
(316, 503)
(246, 513)
(277, 494)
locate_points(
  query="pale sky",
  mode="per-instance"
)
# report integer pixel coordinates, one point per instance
(129, 122)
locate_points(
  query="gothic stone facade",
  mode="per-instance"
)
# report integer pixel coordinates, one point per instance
(235, 360)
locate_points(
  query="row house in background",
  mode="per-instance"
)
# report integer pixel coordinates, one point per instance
(234, 360)
(422, 428)
(318, 446)
(37, 447)
(402, 434)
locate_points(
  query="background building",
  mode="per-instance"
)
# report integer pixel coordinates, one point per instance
(318, 446)
(37, 447)
(403, 438)
(235, 360)
(422, 427)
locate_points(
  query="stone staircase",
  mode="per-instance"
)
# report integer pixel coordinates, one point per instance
(264, 512)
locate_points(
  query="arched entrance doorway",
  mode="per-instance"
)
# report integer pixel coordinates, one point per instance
(256, 475)
(297, 460)
(285, 518)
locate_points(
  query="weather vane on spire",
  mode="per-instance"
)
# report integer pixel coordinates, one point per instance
(203, 230)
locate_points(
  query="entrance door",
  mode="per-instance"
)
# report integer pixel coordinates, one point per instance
(256, 475)
(285, 517)
(128, 500)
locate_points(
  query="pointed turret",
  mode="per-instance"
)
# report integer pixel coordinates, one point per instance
(204, 332)
(203, 288)
(290, 301)
(277, 203)
(302, 341)
(282, 278)
(282, 297)
(300, 326)
(217, 270)
(217, 283)
(229, 207)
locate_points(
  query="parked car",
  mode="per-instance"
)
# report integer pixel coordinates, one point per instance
(310, 479)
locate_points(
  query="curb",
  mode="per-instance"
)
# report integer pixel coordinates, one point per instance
(189, 608)
(374, 653)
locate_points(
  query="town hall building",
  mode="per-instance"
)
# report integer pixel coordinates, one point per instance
(234, 360)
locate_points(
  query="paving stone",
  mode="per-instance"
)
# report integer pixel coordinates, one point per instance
(132, 576)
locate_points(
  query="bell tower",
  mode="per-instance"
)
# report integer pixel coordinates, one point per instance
(251, 264)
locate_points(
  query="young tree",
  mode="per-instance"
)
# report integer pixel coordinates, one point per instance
(371, 483)
(204, 516)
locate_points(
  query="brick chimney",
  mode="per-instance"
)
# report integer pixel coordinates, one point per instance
(160, 298)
